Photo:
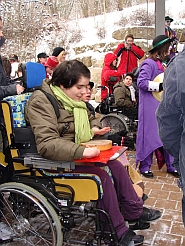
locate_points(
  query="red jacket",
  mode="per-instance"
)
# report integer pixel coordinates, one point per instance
(129, 57)
(107, 72)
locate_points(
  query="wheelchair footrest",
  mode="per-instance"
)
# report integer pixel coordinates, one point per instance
(36, 161)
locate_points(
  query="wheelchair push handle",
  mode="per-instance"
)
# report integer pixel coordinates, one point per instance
(103, 87)
(110, 96)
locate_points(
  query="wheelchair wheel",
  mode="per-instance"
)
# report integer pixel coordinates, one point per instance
(117, 122)
(28, 217)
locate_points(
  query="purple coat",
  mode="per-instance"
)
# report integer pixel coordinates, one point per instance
(147, 137)
(172, 34)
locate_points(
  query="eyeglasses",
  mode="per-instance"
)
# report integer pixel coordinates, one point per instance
(168, 21)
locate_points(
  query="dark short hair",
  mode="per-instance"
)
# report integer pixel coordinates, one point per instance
(42, 55)
(68, 73)
(129, 74)
(129, 36)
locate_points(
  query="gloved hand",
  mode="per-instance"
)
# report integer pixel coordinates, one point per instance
(115, 138)
(113, 78)
(122, 133)
(160, 87)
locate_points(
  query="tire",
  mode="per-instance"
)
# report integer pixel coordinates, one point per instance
(116, 122)
(29, 217)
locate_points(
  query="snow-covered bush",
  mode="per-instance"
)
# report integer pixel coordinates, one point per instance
(101, 32)
(123, 21)
(140, 17)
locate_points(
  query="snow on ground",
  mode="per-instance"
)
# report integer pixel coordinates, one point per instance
(89, 25)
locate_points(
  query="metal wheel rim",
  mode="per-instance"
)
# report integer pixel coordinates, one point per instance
(41, 240)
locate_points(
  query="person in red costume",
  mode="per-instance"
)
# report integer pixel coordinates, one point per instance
(50, 65)
(130, 54)
(110, 73)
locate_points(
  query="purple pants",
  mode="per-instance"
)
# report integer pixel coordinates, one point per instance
(145, 165)
(121, 191)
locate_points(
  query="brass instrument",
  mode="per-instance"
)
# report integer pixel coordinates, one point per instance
(158, 94)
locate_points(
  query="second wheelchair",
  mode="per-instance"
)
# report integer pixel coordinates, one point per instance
(114, 117)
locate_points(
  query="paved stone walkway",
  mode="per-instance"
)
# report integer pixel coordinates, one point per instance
(163, 194)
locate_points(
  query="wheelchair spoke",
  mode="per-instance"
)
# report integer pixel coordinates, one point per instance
(27, 217)
(116, 122)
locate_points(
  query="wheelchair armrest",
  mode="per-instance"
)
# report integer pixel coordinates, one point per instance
(36, 161)
(18, 159)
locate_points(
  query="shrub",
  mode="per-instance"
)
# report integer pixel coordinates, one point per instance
(101, 30)
(123, 21)
(139, 17)
(75, 34)
(181, 13)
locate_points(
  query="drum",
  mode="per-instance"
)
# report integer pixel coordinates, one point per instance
(101, 144)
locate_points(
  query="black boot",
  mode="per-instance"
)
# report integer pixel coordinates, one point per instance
(149, 215)
(147, 174)
(139, 226)
(129, 236)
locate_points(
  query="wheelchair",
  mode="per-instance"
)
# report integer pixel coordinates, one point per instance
(114, 117)
(42, 200)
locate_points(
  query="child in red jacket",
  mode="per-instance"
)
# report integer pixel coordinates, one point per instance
(110, 73)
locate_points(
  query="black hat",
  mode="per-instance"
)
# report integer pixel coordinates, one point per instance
(13, 57)
(167, 18)
(159, 40)
(42, 55)
(57, 51)
(91, 84)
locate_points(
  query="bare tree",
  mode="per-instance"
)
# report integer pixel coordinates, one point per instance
(24, 23)
(28, 22)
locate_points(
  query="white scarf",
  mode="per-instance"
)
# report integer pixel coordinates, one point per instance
(132, 92)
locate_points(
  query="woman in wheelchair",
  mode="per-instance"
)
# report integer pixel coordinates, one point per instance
(125, 96)
(59, 139)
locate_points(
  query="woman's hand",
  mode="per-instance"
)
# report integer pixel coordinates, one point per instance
(91, 152)
(19, 89)
(101, 131)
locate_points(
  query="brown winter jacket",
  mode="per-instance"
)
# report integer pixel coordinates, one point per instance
(54, 137)
(122, 96)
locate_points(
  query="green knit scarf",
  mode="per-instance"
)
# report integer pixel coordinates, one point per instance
(83, 132)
